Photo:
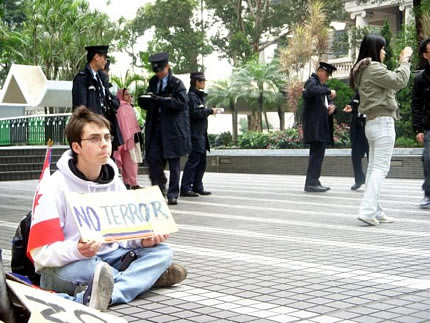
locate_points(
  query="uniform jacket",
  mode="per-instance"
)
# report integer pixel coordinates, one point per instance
(174, 117)
(317, 124)
(86, 92)
(198, 120)
(377, 86)
(421, 101)
(64, 180)
(357, 129)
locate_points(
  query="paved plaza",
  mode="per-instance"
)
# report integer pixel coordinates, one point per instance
(261, 250)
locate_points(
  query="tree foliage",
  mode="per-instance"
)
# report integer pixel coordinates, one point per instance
(260, 85)
(224, 94)
(176, 30)
(54, 33)
(249, 26)
(386, 33)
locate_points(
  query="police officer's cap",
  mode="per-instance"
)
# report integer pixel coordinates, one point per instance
(99, 49)
(199, 76)
(327, 67)
(159, 61)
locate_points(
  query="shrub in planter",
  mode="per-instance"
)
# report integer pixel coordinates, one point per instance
(406, 142)
(341, 135)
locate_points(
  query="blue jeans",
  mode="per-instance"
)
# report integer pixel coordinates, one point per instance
(136, 279)
(381, 135)
(426, 163)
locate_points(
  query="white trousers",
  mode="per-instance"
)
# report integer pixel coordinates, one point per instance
(381, 136)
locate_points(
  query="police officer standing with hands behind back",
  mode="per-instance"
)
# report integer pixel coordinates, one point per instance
(317, 123)
(91, 90)
(167, 129)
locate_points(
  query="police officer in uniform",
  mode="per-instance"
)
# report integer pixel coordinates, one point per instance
(359, 143)
(167, 129)
(317, 117)
(195, 167)
(91, 89)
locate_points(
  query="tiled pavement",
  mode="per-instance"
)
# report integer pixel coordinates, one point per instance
(261, 250)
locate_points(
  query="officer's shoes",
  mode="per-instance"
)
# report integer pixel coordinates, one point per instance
(356, 186)
(172, 201)
(316, 188)
(99, 291)
(136, 187)
(189, 194)
(204, 193)
(173, 275)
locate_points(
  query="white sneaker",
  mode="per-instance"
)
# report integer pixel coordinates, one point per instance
(385, 219)
(425, 202)
(368, 221)
(99, 291)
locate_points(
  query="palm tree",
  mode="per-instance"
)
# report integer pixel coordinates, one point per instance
(135, 83)
(128, 80)
(259, 83)
(224, 94)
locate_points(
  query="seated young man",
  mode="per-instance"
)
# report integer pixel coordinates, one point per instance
(87, 272)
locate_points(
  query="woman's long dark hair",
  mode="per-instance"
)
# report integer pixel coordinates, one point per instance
(370, 46)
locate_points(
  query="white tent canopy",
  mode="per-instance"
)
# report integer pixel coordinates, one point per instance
(27, 86)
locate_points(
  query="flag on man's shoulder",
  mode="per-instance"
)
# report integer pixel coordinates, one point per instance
(45, 224)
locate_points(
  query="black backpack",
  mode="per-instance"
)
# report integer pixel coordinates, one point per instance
(20, 263)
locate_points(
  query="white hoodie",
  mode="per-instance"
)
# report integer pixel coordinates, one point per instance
(61, 253)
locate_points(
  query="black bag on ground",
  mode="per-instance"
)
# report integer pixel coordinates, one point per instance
(20, 263)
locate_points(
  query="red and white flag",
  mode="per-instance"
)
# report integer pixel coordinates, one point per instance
(45, 223)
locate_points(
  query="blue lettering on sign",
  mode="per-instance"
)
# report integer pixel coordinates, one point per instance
(156, 208)
(84, 217)
(145, 212)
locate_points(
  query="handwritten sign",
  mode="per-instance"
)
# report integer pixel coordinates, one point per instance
(48, 307)
(124, 215)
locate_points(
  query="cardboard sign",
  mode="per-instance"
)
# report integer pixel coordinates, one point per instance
(124, 215)
(48, 307)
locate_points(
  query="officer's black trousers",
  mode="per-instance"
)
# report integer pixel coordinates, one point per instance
(156, 164)
(316, 157)
(356, 156)
(192, 178)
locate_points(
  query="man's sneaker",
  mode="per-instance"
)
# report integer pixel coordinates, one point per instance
(425, 202)
(173, 275)
(100, 288)
(368, 221)
(385, 219)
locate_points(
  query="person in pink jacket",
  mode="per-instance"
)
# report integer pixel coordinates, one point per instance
(128, 155)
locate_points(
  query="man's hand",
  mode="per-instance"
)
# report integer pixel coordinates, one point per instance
(331, 109)
(89, 249)
(420, 137)
(155, 240)
(332, 94)
(347, 108)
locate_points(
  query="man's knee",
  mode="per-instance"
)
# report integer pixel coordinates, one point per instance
(165, 253)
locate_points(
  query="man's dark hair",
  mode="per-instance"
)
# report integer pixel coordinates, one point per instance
(79, 118)
(423, 46)
(90, 56)
(193, 82)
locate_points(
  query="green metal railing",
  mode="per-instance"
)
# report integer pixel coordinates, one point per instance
(33, 130)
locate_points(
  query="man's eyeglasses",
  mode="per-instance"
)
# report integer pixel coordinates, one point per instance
(97, 139)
